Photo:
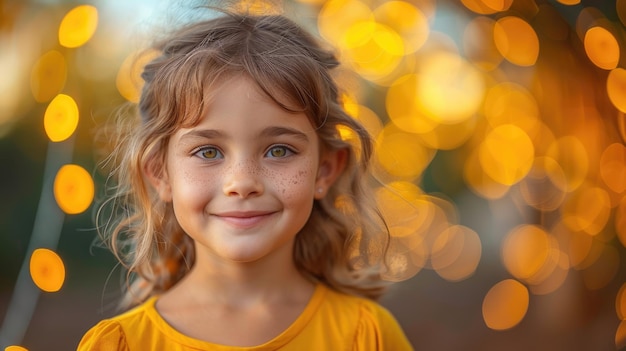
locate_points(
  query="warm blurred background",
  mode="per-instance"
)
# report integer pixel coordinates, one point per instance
(500, 140)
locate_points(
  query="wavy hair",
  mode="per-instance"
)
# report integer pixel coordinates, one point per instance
(344, 242)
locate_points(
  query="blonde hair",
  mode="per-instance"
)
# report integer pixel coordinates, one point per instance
(344, 242)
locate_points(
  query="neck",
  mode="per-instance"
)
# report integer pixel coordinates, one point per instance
(273, 278)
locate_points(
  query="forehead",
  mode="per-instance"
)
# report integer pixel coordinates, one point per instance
(238, 105)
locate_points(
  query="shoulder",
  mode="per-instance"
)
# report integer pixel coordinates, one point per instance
(110, 334)
(106, 335)
(376, 327)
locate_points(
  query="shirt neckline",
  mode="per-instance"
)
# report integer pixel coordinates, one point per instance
(280, 340)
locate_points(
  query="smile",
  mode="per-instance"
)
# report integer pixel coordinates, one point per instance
(243, 219)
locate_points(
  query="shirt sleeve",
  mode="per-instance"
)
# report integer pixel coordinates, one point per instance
(104, 336)
(379, 330)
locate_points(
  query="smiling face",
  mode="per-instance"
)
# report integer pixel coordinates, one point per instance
(243, 180)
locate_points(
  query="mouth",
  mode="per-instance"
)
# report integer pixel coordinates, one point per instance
(244, 219)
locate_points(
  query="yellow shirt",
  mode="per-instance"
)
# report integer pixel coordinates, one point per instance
(330, 321)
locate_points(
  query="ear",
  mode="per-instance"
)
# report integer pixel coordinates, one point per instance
(156, 173)
(332, 165)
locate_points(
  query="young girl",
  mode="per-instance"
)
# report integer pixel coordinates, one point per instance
(242, 215)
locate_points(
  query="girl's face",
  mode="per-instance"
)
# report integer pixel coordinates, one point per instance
(242, 182)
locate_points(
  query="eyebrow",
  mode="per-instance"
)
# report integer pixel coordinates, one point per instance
(279, 131)
(267, 132)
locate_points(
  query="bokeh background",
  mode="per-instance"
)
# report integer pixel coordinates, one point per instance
(500, 154)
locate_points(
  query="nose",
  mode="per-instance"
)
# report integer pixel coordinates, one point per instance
(243, 180)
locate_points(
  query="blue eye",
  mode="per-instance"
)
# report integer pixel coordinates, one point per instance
(279, 151)
(209, 153)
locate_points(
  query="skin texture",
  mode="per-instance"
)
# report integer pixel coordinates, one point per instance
(242, 184)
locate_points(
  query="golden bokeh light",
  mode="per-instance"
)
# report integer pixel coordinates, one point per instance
(498, 5)
(587, 209)
(401, 154)
(368, 118)
(525, 250)
(449, 88)
(479, 181)
(620, 335)
(128, 80)
(571, 154)
(78, 26)
(569, 2)
(613, 167)
(456, 253)
(73, 189)
(553, 277)
(47, 270)
(61, 118)
(337, 16)
(507, 154)
(448, 136)
(516, 40)
(404, 108)
(479, 7)
(15, 348)
(48, 76)
(405, 19)
(577, 246)
(510, 103)
(616, 88)
(602, 48)
(620, 303)
(505, 305)
(373, 50)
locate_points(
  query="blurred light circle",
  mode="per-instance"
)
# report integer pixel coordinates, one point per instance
(404, 107)
(505, 305)
(47, 270)
(61, 118)
(516, 40)
(449, 89)
(620, 302)
(78, 26)
(602, 48)
(15, 348)
(479, 181)
(456, 253)
(73, 189)
(48, 76)
(571, 154)
(405, 19)
(620, 335)
(401, 154)
(613, 167)
(525, 250)
(337, 16)
(128, 80)
(507, 154)
(588, 209)
(616, 88)
(373, 50)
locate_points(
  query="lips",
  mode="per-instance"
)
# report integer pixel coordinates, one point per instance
(244, 219)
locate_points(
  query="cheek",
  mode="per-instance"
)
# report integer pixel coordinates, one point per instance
(296, 184)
